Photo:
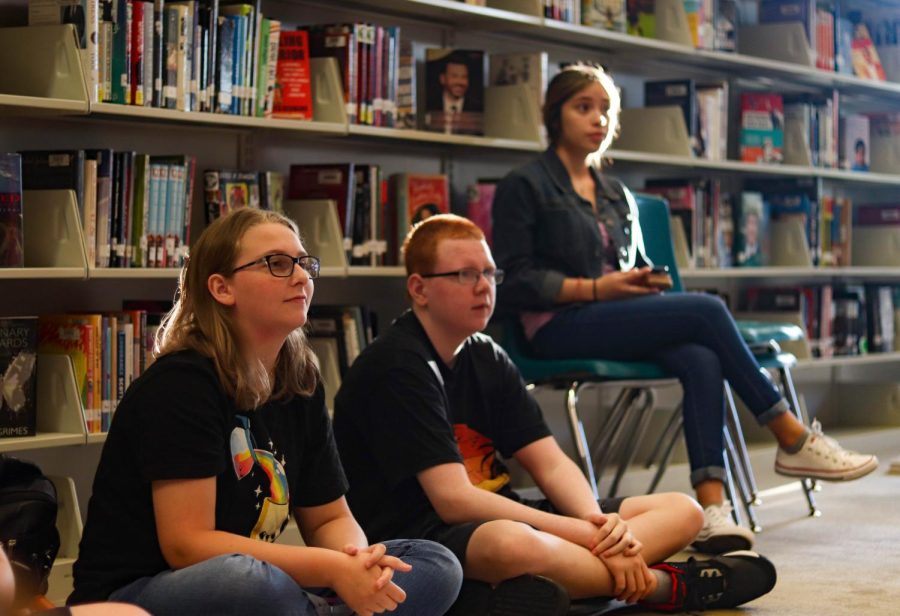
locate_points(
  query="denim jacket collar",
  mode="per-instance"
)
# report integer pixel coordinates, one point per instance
(560, 176)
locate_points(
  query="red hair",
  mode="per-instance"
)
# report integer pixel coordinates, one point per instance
(421, 243)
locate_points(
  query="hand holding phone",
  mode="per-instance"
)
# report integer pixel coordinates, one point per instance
(659, 278)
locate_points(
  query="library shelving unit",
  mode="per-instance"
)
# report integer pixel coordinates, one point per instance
(44, 104)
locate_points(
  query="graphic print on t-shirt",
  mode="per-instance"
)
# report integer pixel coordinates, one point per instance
(480, 459)
(259, 471)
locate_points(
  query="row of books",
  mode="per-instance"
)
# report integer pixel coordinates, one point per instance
(135, 208)
(838, 320)
(107, 351)
(722, 229)
(374, 213)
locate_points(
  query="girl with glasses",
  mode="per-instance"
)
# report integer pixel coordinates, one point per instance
(226, 436)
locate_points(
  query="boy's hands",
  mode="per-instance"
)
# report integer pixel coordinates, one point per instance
(612, 536)
(631, 576)
(364, 581)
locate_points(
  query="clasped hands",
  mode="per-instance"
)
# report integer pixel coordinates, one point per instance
(620, 551)
(365, 584)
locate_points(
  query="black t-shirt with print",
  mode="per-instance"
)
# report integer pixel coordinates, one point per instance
(401, 410)
(177, 422)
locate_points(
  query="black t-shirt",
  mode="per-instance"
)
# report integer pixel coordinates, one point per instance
(401, 410)
(176, 422)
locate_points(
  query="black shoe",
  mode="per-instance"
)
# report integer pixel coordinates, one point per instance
(526, 595)
(725, 581)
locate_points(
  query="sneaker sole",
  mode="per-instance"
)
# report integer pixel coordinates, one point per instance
(722, 544)
(804, 473)
(529, 596)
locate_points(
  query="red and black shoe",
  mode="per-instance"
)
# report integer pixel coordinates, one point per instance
(724, 581)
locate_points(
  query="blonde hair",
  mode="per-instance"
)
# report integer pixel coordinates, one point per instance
(421, 243)
(200, 323)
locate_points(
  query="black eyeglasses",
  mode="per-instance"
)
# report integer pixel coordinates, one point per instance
(282, 266)
(469, 276)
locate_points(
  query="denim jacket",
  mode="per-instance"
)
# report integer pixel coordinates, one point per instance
(544, 232)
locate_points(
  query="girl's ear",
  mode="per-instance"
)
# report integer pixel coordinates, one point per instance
(220, 289)
(415, 286)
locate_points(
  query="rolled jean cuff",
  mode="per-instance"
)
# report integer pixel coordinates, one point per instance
(779, 408)
(706, 473)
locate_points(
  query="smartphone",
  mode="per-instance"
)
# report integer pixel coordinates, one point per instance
(659, 277)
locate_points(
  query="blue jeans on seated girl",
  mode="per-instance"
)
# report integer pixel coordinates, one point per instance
(693, 337)
(237, 584)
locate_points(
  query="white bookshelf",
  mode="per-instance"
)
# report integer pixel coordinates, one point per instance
(26, 92)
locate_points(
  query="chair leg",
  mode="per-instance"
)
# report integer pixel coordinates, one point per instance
(643, 416)
(732, 492)
(581, 443)
(609, 441)
(739, 482)
(733, 423)
(809, 485)
(670, 438)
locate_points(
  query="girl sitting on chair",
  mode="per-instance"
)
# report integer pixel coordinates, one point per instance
(569, 239)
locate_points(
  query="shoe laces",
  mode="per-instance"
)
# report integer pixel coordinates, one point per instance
(704, 583)
(718, 515)
(832, 446)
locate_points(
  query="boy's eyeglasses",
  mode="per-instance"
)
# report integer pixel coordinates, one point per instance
(282, 266)
(469, 276)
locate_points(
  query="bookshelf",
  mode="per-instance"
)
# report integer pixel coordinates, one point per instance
(44, 103)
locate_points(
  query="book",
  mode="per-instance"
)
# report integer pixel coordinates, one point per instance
(641, 18)
(762, 127)
(479, 204)
(606, 14)
(406, 85)
(54, 170)
(334, 182)
(18, 365)
(454, 91)
(854, 137)
(271, 191)
(12, 240)
(528, 68)
(680, 93)
(85, 16)
(879, 318)
(751, 225)
(226, 190)
(877, 214)
(292, 98)
(67, 335)
(786, 11)
(413, 198)
(866, 63)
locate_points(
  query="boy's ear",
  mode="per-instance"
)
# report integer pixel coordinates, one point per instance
(415, 286)
(220, 289)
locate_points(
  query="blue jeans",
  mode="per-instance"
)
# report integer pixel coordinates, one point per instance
(691, 336)
(237, 584)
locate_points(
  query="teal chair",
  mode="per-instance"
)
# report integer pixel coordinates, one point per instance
(628, 419)
(761, 337)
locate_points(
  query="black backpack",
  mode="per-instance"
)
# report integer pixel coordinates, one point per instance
(28, 525)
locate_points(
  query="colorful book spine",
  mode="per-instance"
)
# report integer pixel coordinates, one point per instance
(12, 240)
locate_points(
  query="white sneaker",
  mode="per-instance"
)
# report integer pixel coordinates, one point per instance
(821, 457)
(720, 534)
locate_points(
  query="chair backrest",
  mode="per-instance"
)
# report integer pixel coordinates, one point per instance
(653, 212)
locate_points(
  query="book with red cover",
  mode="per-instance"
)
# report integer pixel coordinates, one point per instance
(866, 63)
(479, 207)
(293, 90)
(413, 198)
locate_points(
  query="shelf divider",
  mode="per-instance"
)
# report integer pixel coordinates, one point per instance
(53, 236)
